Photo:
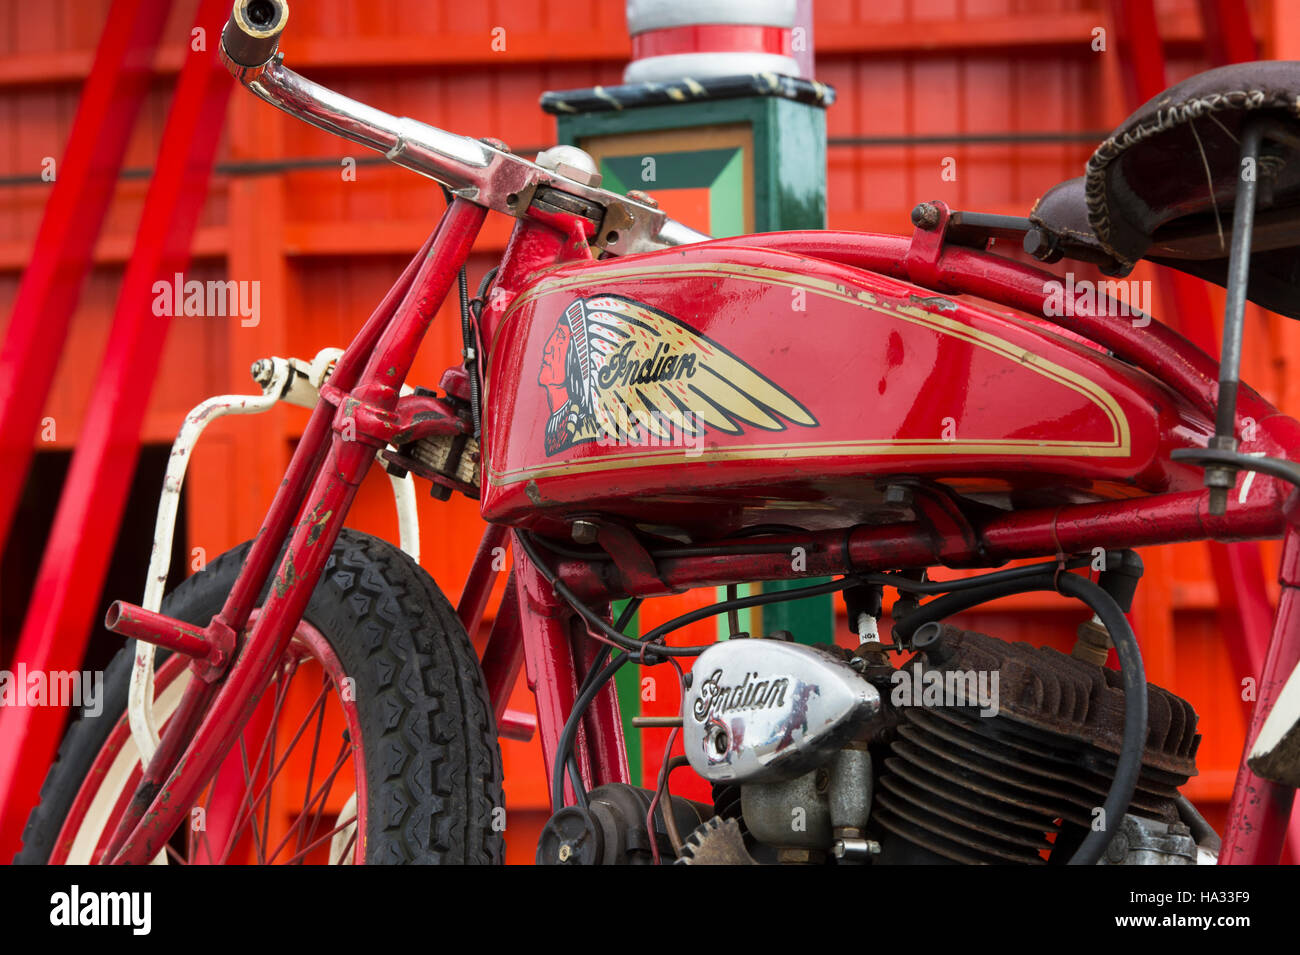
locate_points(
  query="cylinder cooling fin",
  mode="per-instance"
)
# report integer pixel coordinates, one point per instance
(1023, 785)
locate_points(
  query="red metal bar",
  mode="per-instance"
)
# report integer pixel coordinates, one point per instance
(554, 640)
(603, 723)
(504, 653)
(194, 702)
(71, 575)
(1227, 31)
(312, 540)
(517, 724)
(1136, 522)
(270, 539)
(549, 664)
(311, 449)
(1260, 811)
(211, 646)
(86, 177)
(503, 658)
(532, 246)
(141, 624)
(1141, 49)
(478, 585)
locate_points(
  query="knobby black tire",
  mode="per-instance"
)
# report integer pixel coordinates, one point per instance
(433, 766)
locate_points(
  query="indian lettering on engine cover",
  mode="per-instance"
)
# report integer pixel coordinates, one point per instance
(760, 709)
(750, 693)
(620, 370)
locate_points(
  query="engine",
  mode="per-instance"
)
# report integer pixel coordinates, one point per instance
(977, 751)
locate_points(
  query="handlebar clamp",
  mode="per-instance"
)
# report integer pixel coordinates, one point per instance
(252, 34)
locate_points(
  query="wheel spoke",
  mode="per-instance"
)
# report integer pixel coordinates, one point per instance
(193, 845)
(326, 785)
(303, 853)
(251, 797)
(311, 768)
(247, 810)
(351, 845)
(248, 785)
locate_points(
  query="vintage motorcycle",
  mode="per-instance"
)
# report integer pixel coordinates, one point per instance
(886, 428)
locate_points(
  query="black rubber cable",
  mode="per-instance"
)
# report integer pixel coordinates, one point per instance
(571, 725)
(968, 593)
(907, 585)
(563, 757)
(647, 645)
(469, 342)
(1133, 676)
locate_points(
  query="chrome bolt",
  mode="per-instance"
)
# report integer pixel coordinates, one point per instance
(851, 848)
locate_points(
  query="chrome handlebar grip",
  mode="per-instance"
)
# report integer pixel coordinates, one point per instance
(474, 170)
(252, 34)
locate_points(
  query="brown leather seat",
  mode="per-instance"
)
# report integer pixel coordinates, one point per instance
(1161, 187)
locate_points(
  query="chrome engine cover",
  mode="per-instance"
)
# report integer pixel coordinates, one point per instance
(761, 710)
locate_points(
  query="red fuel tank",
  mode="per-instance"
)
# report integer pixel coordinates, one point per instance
(728, 387)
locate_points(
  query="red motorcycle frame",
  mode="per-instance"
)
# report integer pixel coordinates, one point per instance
(362, 411)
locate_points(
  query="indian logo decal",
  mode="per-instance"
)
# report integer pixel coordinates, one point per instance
(717, 698)
(617, 371)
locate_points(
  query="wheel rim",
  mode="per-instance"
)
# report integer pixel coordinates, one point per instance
(283, 795)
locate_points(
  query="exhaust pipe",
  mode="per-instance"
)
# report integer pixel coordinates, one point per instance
(252, 33)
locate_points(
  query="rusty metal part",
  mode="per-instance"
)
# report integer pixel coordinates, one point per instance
(799, 857)
(612, 830)
(656, 722)
(716, 841)
(553, 200)
(450, 461)
(631, 558)
(1050, 691)
(1092, 643)
(453, 456)
(989, 790)
(1151, 842)
(925, 216)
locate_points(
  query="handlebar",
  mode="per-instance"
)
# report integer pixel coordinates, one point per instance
(475, 170)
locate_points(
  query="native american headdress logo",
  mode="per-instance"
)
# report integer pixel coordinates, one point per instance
(618, 371)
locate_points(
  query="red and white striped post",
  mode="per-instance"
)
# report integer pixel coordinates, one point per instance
(672, 39)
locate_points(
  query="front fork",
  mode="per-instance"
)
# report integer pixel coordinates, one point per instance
(359, 407)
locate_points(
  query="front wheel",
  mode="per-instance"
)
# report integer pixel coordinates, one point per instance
(375, 742)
